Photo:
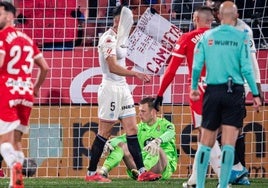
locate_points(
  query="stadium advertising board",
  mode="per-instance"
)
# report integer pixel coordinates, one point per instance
(61, 143)
(75, 75)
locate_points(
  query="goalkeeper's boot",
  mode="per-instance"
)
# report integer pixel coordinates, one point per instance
(2, 173)
(17, 178)
(149, 176)
(97, 178)
(237, 174)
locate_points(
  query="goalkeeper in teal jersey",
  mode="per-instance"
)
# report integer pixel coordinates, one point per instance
(157, 138)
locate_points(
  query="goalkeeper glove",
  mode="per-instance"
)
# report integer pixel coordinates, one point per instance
(153, 147)
(158, 102)
(107, 147)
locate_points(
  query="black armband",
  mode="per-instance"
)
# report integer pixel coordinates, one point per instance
(257, 95)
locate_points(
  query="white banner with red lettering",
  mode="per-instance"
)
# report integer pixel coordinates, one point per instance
(152, 41)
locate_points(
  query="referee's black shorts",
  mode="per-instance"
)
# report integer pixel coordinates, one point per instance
(220, 107)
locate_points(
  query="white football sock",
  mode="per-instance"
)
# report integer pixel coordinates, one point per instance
(192, 179)
(215, 158)
(20, 156)
(8, 153)
(10, 157)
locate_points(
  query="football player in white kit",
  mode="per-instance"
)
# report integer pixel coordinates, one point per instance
(115, 101)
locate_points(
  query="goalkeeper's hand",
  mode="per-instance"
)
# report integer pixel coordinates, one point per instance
(158, 102)
(107, 147)
(153, 147)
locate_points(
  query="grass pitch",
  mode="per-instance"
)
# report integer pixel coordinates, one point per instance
(120, 183)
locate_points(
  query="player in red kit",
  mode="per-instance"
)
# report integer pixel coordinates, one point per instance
(18, 54)
(184, 50)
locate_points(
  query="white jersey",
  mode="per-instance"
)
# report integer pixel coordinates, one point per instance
(242, 26)
(106, 48)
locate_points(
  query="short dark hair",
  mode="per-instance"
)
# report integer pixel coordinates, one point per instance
(117, 10)
(204, 8)
(149, 101)
(8, 7)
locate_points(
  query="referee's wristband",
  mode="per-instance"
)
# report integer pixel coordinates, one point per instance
(257, 95)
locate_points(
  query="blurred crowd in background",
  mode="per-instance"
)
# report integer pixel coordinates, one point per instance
(80, 23)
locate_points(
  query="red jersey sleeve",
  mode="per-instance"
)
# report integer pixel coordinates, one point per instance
(177, 57)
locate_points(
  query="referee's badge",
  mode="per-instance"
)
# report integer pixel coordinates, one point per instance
(210, 42)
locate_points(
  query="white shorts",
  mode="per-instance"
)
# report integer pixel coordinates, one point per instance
(115, 102)
(6, 127)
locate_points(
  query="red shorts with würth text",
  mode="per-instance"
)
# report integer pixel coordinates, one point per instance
(16, 101)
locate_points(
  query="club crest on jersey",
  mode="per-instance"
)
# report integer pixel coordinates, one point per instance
(210, 42)
(177, 46)
(19, 86)
(108, 40)
(158, 127)
(250, 43)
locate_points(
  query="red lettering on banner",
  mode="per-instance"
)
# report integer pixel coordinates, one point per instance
(151, 68)
(175, 31)
(170, 37)
(161, 53)
(167, 45)
(158, 61)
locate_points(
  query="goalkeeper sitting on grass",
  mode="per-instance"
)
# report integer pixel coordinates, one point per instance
(156, 138)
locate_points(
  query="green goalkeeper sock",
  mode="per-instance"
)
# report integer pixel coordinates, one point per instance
(227, 161)
(114, 158)
(203, 155)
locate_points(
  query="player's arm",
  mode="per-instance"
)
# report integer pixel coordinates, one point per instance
(198, 64)
(112, 143)
(256, 68)
(247, 72)
(169, 134)
(115, 68)
(174, 63)
(2, 57)
(252, 47)
(118, 139)
(255, 63)
(43, 69)
(154, 146)
(2, 53)
(246, 67)
(257, 74)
